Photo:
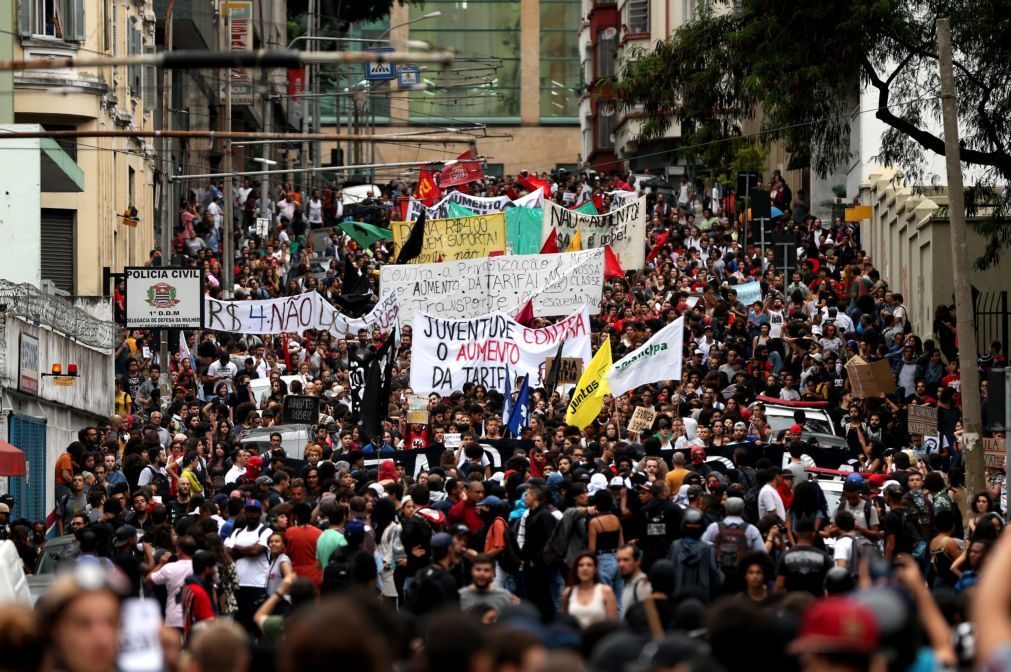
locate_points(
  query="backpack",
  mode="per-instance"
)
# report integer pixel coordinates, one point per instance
(751, 506)
(863, 548)
(160, 480)
(921, 551)
(338, 573)
(731, 543)
(509, 558)
(558, 544)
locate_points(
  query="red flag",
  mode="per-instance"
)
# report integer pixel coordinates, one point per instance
(612, 269)
(465, 169)
(526, 314)
(660, 240)
(533, 183)
(428, 191)
(551, 244)
(598, 201)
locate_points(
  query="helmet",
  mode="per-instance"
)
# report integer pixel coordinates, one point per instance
(839, 581)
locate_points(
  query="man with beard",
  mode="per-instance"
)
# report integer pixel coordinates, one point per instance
(248, 547)
(482, 590)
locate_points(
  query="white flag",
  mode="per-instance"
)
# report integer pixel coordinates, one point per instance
(657, 359)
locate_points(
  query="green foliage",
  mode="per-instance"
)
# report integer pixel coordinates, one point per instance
(801, 64)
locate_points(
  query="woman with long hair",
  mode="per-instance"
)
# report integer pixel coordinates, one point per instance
(387, 528)
(279, 567)
(604, 537)
(587, 599)
(982, 503)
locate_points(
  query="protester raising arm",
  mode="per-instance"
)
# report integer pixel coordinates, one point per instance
(991, 607)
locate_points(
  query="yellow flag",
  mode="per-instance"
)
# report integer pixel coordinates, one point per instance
(576, 244)
(588, 396)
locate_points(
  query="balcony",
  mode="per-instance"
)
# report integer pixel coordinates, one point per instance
(192, 23)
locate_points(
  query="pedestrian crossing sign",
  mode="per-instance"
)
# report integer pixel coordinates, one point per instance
(380, 71)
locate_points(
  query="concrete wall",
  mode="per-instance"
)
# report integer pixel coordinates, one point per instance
(20, 218)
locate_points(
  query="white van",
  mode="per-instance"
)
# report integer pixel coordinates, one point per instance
(779, 413)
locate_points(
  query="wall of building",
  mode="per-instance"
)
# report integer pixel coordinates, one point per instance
(21, 175)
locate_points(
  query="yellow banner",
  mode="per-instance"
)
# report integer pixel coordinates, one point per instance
(859, 212)
(456, 238)
(588, 397)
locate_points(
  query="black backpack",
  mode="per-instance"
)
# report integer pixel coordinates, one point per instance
(731, 543)
(160, 480)
(509, 558)
(339, 572)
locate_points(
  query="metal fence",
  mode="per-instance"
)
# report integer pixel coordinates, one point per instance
(28, 302)
(990, 312)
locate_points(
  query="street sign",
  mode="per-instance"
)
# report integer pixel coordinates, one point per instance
(408, 76)
(380, 71)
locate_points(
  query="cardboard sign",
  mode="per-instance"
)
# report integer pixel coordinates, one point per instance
(921, 419)
(994, 452)
(139, 644)
(869, 379)
(642, 420)
(417, 409)
(300, 410)
(452, 440)
(572, 369)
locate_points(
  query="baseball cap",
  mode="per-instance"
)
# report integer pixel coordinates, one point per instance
(796, 429)
(617, 482)
(442, 540)
(740, 425)
(492, 501)
(354, 527)
(734, 506)
(125, 534)
(254, 504)
(837, 624)
(264, 480)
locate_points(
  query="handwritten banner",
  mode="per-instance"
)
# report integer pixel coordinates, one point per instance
(623, 229)
(478, 204)
(456, 238)
(449, 353)
(749, 292)
(557, 284)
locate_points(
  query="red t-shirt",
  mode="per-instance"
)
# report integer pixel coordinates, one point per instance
(301, 548)
(196, 606)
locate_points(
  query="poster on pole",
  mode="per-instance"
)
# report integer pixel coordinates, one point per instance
(623, 229)
(239, 15)
(164, 298)
(447, 354)
(556, 283)
(642, 420)
(456, 238)
(921, 419)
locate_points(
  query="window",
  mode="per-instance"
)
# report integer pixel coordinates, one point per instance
(132, 186)
(58, 248)
(561, 76)
(495, 170)
(484, 80)
(52, 19)
(341, 82)
(135, 73)
(607, 44)
(605, 129)
(637, 16)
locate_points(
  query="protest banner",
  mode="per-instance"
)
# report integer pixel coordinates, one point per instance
(417, 409)
(569, 373)
(749, 292)
(921, 419)
(448, 353)
(620, 198)
(657, 359)
(624, 229)
(456, 238)
(869, 379)
(557, 284)
(523, 229)
(642, 420)
(994, 452)
(477, 204)
(383, 316)
(300, 410)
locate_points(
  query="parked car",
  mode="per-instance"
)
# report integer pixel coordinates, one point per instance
(780, 415)
(55, 551)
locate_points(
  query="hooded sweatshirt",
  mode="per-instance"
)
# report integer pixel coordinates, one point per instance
(695, 566)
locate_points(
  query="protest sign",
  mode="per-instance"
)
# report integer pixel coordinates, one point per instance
(556, 283)
(477, 204)
(452, 440)
(994, 452)
(921, 419)
(642, 420)
(620, 198)
(448, 353)
(749, 292)
(570, 371)
(163, 298)
(140, 648)
(657, 359)
(417, 409)
(624, 229)
(456, 238)
(300, 410)
(869, 379)
(383, 317)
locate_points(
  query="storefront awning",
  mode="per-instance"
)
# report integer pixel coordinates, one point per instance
(12, 460)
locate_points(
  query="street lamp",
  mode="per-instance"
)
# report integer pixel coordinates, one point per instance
(430, 15)
(264, 185)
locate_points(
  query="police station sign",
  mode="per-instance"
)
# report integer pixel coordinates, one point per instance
(164, 298)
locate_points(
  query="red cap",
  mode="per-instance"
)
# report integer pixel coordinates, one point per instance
(796, 429)
(837, 624)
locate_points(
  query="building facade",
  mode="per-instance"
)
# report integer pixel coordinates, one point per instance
(87, 184)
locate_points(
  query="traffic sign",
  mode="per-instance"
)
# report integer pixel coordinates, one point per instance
(408, 76)
(380, 71)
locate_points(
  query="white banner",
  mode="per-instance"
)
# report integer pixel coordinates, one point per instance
(448, 353)
(479, 204)
(295, 315)
(623, 229)
(557, 283)
(620, 198)
(657, 359)
(748, 292)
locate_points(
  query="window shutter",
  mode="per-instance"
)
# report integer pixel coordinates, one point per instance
(136, 71)
(78, 30)
(58, 248)
(26, 9)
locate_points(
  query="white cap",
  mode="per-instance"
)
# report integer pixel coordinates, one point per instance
(617, 482)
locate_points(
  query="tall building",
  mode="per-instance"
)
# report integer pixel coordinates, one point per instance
(68, 195)
(517, 72)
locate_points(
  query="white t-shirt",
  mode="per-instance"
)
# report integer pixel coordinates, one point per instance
(315, 211)
(776, 320)
(215, 367)
(843, 550)
(147, 474)
(251, 570)
(234, 474)
(769, 501)
(242, 193)
(172, 576)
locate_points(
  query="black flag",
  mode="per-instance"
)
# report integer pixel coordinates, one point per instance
(412, 246)
(355, 298)
(376, 399)
(551, 381)
(356, 380)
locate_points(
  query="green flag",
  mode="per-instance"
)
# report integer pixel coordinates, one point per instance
(457, 210)
(365, 234)
(523, 229)
(587, 209)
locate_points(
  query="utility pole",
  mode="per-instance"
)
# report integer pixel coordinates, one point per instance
(968, 372)
(167, 188)
(228, 237)
(265, 180)
(307, 80)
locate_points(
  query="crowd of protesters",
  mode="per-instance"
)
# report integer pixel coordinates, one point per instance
(588, 548)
